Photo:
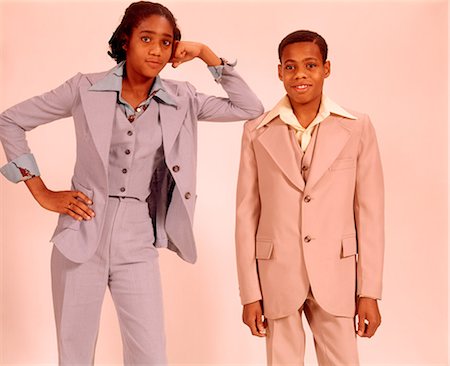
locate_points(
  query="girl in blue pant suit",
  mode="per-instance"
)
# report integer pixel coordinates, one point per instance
(133, 187)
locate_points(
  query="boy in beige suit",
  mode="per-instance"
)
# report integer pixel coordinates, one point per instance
(310, 216)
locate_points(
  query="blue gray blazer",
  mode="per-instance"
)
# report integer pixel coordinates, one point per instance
(172, 201)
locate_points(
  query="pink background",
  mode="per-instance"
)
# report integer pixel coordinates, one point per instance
(389, 59)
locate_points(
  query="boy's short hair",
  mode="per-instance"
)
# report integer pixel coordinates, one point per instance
(304, 36)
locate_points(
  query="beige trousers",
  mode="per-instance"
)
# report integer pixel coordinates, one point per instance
(334, 337)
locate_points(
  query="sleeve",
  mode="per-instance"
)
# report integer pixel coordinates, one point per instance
(241, 103)
(23, 117)
(369, 215)
(248, 208)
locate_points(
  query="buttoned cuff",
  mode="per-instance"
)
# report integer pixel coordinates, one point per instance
(217, 71)
(20, 169)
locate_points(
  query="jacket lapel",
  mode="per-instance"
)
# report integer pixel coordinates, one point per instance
(99, 108)
(332, 136)
(172, 118)
(277, 142)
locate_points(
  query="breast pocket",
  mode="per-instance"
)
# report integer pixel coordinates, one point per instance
(341, 164)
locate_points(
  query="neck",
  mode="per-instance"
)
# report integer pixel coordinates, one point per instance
(136, 85)
(306, 113)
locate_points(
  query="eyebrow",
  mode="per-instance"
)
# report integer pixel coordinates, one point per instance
(303, 60)
(153, 32)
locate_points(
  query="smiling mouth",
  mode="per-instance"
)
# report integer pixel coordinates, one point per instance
(301, 87)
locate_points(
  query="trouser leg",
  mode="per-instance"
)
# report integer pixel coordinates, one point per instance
(334, 336)
(78, 292)
(285, 340)
(135, 286)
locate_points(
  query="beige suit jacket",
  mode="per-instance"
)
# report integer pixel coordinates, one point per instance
(327, 234)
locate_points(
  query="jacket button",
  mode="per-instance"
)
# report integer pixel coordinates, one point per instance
(131, 118)
(127, 151)
(307, 199)
(124, 171)
(176, 168)
(122, 189)
(130, 133)
(307, 239)
(305, 168)
(187, 195)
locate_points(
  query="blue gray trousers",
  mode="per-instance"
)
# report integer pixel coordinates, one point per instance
(127, 263)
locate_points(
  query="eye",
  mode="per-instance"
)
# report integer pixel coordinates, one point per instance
(167, 43)
(290, 67)
(145, 39)
(311, 65)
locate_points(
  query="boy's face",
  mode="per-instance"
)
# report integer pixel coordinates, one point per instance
(303, 72)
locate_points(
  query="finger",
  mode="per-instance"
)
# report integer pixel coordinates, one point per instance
(175, 64)
(179, 53)
(260, 326)
(85, 208)
(72, 214)
(174, 49)
(81, 209)
(371, 328)
(251, 323)
(254, 329)
(83, 197)
(361, 325)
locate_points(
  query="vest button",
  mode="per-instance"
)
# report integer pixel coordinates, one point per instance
(122, 189)
(127, 151)
(187, 195)
(130, 133)
(305, 168)
(176, 168)
(307, 239)
(307, 199)
(131, 118)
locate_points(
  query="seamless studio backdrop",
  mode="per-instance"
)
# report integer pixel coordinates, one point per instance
(389, 59)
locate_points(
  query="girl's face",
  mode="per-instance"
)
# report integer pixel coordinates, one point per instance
(149, 48)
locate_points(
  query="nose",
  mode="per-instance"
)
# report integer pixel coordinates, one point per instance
(155, 50)
(301, 73)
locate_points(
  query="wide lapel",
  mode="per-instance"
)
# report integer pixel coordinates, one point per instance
(99, 108)
(332, 136)
(277, 142)
(172, 118)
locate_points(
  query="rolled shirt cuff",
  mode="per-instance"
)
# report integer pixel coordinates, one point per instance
(20, 169)
(217, 71)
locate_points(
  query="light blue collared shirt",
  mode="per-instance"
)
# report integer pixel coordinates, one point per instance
(113, 82)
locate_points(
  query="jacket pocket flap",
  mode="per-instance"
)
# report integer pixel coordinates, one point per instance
(264, 249)
(349, 246)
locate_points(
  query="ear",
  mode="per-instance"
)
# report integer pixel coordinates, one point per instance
(280, 74)
(125, 44)
(327, 68)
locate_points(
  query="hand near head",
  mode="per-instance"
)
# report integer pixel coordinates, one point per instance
(186, 51)
(73, 203)
(369, 318)
(252, 316)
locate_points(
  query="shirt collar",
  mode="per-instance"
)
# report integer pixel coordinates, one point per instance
(283, 109)
(113, 82)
